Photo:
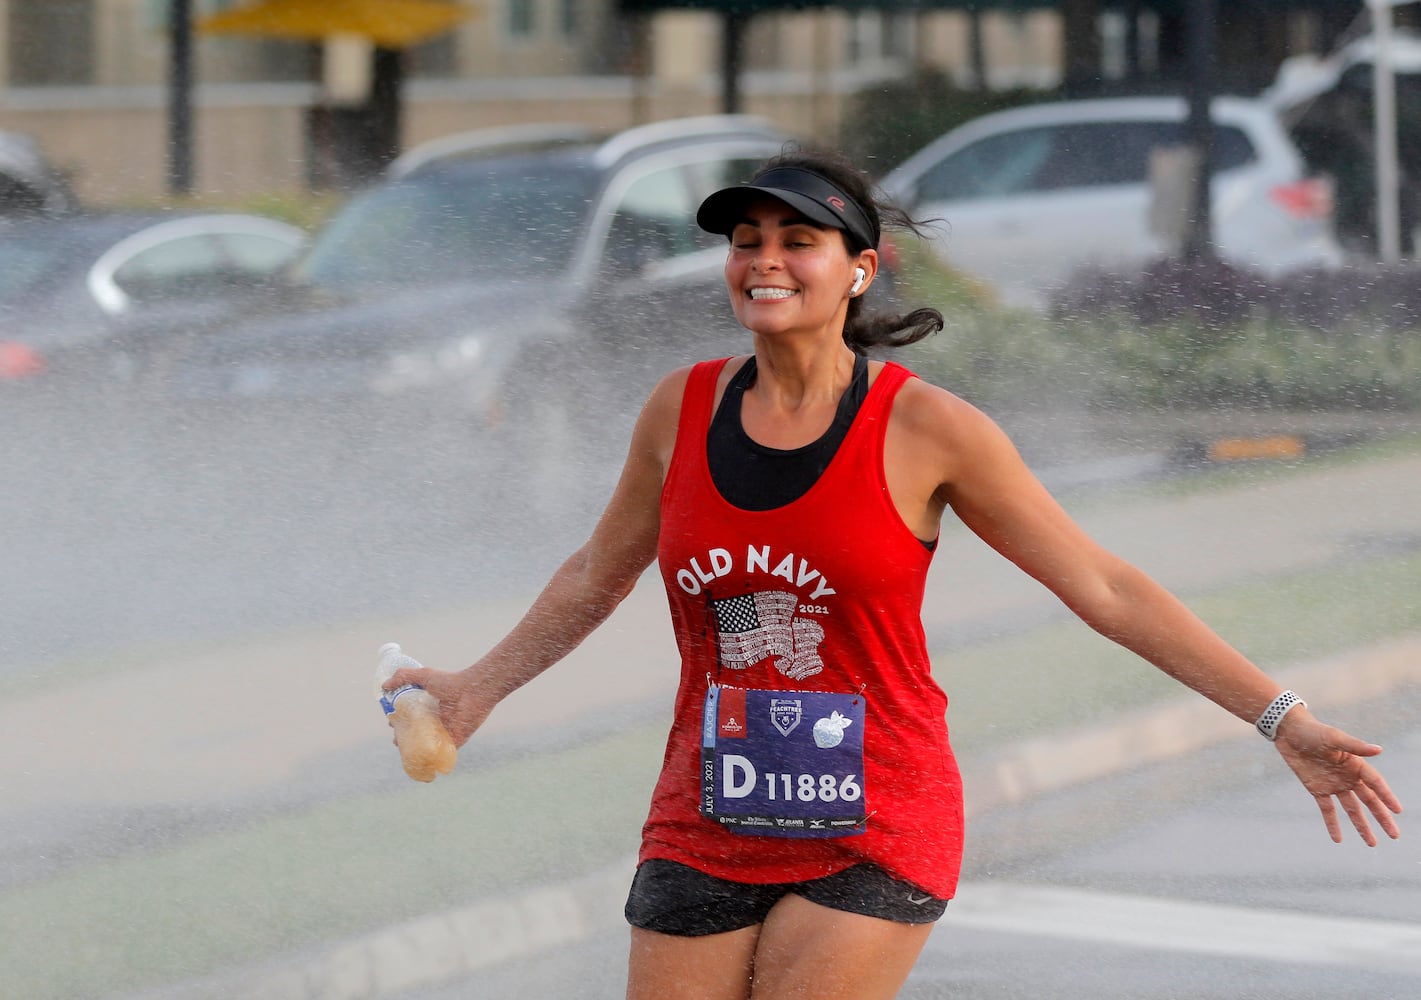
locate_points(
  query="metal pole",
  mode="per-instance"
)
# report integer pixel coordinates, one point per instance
(977, 49)
(733, 24)
(1202, 37)
(1132, 40)
(1384, 117)
(180, 98)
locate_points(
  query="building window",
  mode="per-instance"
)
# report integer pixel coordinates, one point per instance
(900, 34)
(437, 58)
(568, 20)
(875, 35)
(522, 20)
(52, 42)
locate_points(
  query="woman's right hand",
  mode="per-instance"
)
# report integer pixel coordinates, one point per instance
(461, 709)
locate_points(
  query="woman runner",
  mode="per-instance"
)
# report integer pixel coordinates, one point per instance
(806, 828)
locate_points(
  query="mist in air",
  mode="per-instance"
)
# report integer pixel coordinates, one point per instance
(208, 531)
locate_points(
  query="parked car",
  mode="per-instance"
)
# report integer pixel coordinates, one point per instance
(1023, 198)
(1326, 105)
(99, 295)
(29, 183)
(492, 263)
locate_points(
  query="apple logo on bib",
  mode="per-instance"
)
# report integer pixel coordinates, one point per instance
(829, 733)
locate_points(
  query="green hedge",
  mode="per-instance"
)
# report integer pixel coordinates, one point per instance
(886, 123)
(1252, 355)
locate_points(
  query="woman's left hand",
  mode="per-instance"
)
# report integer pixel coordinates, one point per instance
(1332, 765)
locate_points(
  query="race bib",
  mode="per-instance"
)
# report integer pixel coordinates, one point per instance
(783, 763)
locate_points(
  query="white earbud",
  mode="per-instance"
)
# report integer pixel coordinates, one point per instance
(860, 275)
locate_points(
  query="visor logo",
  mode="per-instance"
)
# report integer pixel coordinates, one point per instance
(836, 201)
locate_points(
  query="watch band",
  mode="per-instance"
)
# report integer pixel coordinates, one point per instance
(1272, 716)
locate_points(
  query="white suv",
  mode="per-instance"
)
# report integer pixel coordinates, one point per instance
(1020, 199)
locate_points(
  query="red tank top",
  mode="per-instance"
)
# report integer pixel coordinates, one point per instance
(847, 577)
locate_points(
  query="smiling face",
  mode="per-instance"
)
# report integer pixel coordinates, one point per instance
(787, 274)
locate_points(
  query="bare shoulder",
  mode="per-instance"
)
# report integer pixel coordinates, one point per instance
(664, 404)
(665, 398)
(945, 435)
(922, 408)
(655, 433)
(921, 402)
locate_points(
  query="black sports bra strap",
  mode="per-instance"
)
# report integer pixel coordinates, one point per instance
(752, 476)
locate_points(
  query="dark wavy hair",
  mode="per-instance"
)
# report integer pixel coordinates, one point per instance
(865, 330)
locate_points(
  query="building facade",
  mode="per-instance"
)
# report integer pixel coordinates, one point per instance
(89, 78)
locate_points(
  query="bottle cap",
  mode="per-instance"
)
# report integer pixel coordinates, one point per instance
(385, 669)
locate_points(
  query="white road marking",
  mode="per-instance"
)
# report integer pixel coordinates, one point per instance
(1180, 925)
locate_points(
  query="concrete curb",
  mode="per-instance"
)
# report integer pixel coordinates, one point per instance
(1183, 726)
(445, 947)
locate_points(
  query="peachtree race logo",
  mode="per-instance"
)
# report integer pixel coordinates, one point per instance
(786, 714)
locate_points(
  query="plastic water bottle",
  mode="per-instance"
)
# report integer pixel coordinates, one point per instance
(426, 748)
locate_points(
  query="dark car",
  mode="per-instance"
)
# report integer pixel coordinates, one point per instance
(490, 264)
(99, 296)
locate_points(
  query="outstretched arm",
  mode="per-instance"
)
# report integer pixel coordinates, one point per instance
(989, 487)
(583, 591)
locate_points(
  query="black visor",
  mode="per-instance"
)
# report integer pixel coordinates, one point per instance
(816, 197)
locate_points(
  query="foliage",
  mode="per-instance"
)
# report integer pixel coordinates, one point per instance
(983, 353)
(307, 210)
(923, 278)
(887, 122)
(1181, 336)
(1217, 292)
(1205, 333)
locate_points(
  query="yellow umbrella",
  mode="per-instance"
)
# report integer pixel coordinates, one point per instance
(390, 24)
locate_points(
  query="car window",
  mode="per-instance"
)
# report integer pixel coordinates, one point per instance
(997, 165)
(172, 268)
(485, 221)
(200, 264)
(1097, 154)
(1100, 153)
(651, 222)
(1057, 157)
(253, 253)
(654, 216)
(1232, 148)
(712, 175)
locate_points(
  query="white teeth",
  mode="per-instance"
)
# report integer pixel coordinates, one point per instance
(770, 293)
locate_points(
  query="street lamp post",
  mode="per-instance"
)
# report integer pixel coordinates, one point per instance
(1202, 39)
(180, 97)
(1384, 119)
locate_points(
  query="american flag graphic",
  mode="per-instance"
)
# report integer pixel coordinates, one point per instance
(762, 625)
(754, 627)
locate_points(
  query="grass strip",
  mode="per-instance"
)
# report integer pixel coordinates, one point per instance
(281, 883)
(1062, 676)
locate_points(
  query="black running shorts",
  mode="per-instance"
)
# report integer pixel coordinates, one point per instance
(674, 899)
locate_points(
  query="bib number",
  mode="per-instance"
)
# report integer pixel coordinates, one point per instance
(783, 763)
